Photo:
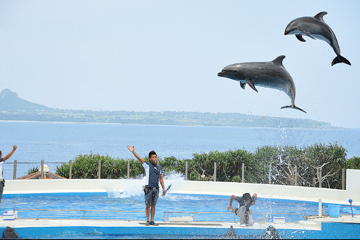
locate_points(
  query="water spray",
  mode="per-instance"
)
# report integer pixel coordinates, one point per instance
(350, 201)
(320, 208)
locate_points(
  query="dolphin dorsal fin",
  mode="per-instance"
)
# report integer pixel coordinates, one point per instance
(320, 16)
(279, 60)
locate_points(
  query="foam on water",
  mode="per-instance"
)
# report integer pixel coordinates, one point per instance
(172, 197)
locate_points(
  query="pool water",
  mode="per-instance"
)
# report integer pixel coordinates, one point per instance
(128, 204)
(112, 204)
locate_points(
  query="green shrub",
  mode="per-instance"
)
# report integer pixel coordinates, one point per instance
(284, 162)
(33, 170)
(352, 163)
(236, 179)
(87, 166)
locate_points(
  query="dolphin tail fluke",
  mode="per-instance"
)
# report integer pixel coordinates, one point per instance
(294, 107)
(340, 59)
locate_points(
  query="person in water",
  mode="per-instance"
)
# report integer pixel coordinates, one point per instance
(153, 177)
(243, 210)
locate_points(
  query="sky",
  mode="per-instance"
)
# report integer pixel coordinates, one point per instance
(146, 55)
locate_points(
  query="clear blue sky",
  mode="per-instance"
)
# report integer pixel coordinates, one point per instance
(165, 55)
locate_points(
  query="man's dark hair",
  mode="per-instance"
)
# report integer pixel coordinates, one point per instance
(0, 154)
(246, 196)
(152, 153)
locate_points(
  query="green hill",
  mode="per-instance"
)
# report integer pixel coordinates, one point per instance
(12, 107)
(10, 101)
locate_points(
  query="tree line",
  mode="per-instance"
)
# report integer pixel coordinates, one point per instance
(311, 165)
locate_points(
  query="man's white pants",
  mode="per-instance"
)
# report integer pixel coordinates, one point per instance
(245, 216)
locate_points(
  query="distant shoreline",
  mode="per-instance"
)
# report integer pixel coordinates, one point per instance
(14, 108)
(164, 125)
(168, 118)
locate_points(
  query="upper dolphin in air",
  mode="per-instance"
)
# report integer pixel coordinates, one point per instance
(315, 27)
(265, 74)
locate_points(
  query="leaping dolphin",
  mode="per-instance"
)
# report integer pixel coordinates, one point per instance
(264, 74)
(315, 27)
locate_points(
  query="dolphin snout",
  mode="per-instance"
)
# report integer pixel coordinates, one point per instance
(220, 74)
(288, 30)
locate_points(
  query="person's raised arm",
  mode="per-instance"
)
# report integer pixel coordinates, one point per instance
(11, 153)
(231, 200)
(132, 149)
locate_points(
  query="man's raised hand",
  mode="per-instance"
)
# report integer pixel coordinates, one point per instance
(131, 149)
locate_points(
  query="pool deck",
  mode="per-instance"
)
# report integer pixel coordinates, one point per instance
(311, 224)
(22, 223)
(70, 228)
(345, 227)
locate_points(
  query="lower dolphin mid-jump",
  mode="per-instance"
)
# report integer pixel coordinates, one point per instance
(315, 27)
(264, 74)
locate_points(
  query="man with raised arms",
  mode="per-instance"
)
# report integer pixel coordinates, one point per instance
(153, 176)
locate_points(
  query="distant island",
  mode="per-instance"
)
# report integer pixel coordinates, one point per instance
(14, 108)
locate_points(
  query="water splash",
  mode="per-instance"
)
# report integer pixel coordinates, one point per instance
(112, 190)
(130, 188)
(284, 137)
(134, 187)
(175, 179)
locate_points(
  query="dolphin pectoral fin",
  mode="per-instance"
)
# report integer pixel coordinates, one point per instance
(251, 84)
(300, 38)
(308, 34)
(294, 107)
(242, 85)
(340, 59)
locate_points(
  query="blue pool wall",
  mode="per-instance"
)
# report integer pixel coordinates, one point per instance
(329, 231)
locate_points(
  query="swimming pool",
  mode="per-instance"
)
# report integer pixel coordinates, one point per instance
(115, 209)
(116, 205)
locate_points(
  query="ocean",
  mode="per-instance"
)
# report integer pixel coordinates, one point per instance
(57, 143)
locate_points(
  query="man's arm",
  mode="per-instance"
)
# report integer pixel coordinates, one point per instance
(132, 149)
(255, 197)
(11, 153)
(162, 184)
(231, 200)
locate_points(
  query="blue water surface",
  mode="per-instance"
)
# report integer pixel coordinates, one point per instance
(202, 207)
